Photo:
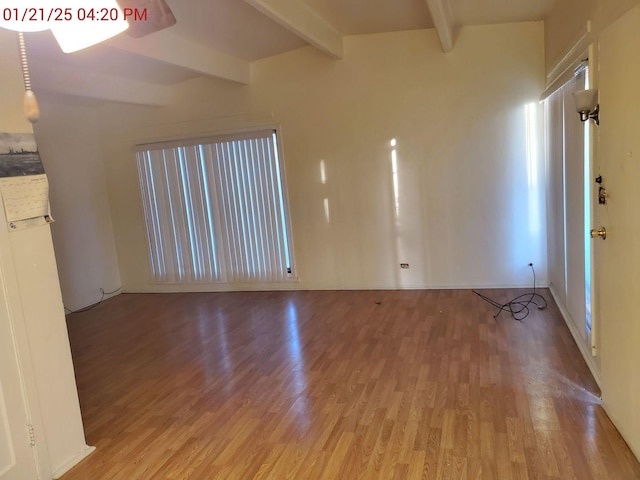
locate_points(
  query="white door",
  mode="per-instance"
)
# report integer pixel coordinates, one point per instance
(618, 257)
(17, 458)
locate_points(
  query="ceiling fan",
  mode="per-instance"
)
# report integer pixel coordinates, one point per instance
(157, 14)
(80, 24)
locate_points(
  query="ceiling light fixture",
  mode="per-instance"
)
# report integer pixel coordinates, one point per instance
(89, 25)
(19, 17)
(75, 25)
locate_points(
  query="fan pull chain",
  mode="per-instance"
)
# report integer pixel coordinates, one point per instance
(29, 102)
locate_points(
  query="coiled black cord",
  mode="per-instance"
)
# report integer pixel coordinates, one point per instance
(93, 305)
(518, 308)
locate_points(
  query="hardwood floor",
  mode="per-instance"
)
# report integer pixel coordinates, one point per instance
(336, 385)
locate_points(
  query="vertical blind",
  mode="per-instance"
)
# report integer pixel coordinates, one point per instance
(566, 157)
(215, 210)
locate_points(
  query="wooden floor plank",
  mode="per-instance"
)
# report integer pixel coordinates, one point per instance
(336, 385)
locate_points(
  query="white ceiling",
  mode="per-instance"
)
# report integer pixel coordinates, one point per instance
(486, 12)
(233, 27)
(356, 17)
(220, 38)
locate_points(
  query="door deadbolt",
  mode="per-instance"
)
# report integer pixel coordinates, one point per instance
(602, 196)
(599, 232)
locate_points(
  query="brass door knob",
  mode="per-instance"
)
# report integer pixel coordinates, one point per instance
(599, 232)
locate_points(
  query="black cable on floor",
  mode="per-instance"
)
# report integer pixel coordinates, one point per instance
(94, 305)
(519, 306)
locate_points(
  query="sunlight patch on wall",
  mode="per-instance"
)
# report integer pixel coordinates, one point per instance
(533, 162)
(323, 172)
(394, 175)
(327, 213)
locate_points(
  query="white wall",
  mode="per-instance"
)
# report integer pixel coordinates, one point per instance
(618, 258)
(82, 233)
(467, 212)
(32, 292)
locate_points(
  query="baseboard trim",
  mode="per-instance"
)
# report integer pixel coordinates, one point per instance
(584, 350)
(73, 461)
(204, 288)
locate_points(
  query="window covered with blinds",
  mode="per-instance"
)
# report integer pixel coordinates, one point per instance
(568, 203)
(216, 210)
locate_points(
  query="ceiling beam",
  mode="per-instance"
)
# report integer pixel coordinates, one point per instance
(299, 19)
(80, 83)
(172, 49)
(443, 21)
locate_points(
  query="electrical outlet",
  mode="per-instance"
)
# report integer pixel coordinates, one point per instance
(404, 265)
